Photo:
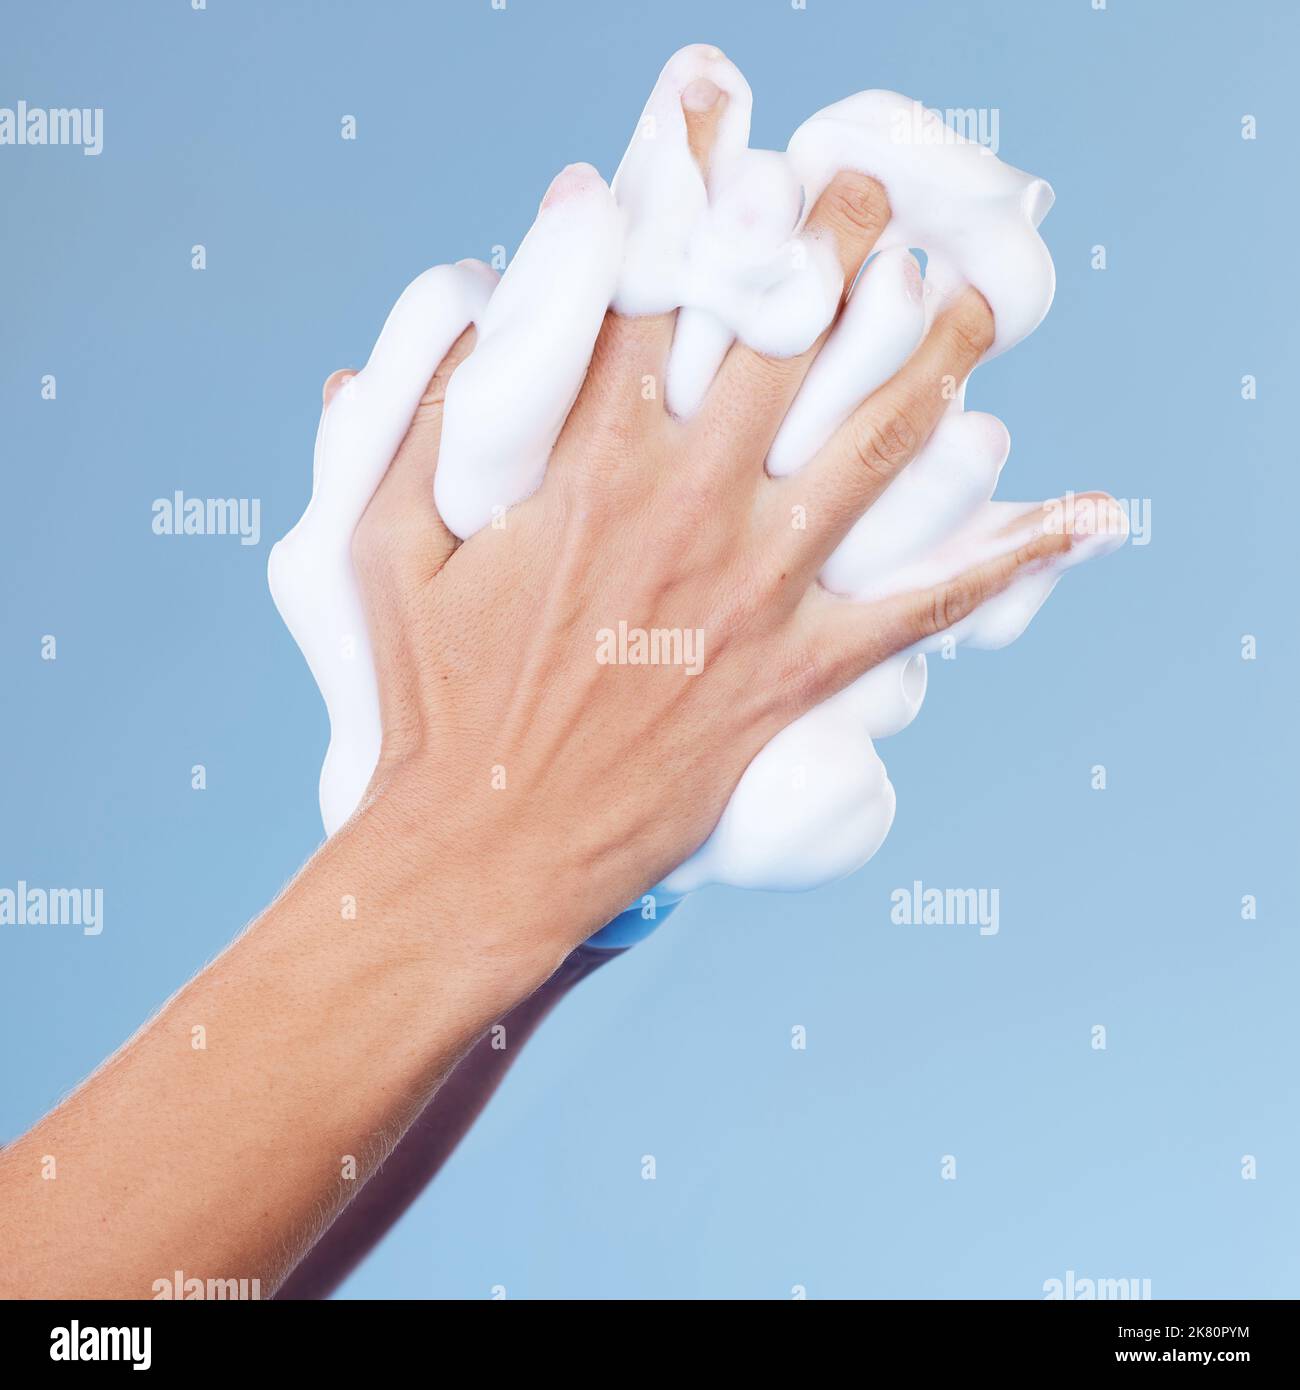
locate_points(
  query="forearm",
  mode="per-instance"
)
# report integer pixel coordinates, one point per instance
(240, 1120)
(433, 1137)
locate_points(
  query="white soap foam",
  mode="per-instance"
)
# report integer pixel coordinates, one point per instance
(734, 259)
(507, 401)
(310, 570)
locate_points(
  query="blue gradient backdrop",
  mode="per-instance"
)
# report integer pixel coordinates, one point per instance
(775, 1167)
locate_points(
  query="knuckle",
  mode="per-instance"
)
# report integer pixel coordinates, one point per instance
(435, 395)
(859, 203)
(948, 604)
(970, 325)
(884, 445)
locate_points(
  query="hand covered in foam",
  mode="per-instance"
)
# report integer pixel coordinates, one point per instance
(745, 257)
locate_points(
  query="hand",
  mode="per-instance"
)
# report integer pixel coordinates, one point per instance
(509, 741)
(526, 791)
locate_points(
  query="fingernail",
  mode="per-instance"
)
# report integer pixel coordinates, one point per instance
(700, 95)
(912, 281)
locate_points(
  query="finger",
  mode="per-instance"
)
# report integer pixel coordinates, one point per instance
(629, 363)
(625, 381)
(703, 103)
(334, 384)
(700, 343)
(370, 411)
(857, 636)
(401, 543)
(1096, 523)
(401, 519)
(398, 397)
(934, 498)
(852, 212)
(313, 578)
(537, 335)
(881, 327)
(926, 613)
(754, 388)
(410, 475)
(699, 339)
(889, 428)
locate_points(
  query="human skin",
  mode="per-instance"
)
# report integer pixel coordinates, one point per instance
(432, 1139)
(524, 795)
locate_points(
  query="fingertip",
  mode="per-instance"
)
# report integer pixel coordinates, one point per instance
(334, 383)
(1100, 525)
(480, 270)
(570, 182)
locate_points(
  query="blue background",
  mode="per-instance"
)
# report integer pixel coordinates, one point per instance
(776, 1167)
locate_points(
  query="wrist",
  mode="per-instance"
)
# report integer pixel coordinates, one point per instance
(458, 894)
